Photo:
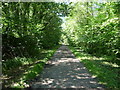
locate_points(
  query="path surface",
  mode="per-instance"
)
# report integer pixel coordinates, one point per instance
(65, 71)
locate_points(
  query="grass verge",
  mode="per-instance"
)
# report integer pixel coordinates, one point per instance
(100, 67)
(27, 69)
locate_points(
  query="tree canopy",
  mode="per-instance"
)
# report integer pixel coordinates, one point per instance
(94, 27)
(32, 31)
(28, 27)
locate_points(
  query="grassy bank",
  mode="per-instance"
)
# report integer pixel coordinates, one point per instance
(100, 67)
(18, 71)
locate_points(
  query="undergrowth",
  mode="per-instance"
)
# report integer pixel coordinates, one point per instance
(100, 67)
(25, 69)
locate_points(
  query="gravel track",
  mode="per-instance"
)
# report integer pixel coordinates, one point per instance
(65, 71)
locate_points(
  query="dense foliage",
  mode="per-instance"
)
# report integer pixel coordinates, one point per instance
(95, 27)
(30, 33)
(100, 67)
(29, 27)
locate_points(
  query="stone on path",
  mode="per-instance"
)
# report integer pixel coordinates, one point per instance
(65, 71)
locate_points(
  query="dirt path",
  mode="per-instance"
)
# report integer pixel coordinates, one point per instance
(65, 71)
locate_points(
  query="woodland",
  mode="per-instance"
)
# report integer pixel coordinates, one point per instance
(32, 32)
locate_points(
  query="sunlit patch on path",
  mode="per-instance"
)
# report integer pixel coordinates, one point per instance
(65, 71)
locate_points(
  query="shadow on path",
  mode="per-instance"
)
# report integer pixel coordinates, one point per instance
(65, 71)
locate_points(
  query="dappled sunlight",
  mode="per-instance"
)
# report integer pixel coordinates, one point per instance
(49, 81)
(32, 31)
(83, 56)
(110, 64)
(65, 71)
(101, 67)
(27, 71)
(103, 60)
(91, 58)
